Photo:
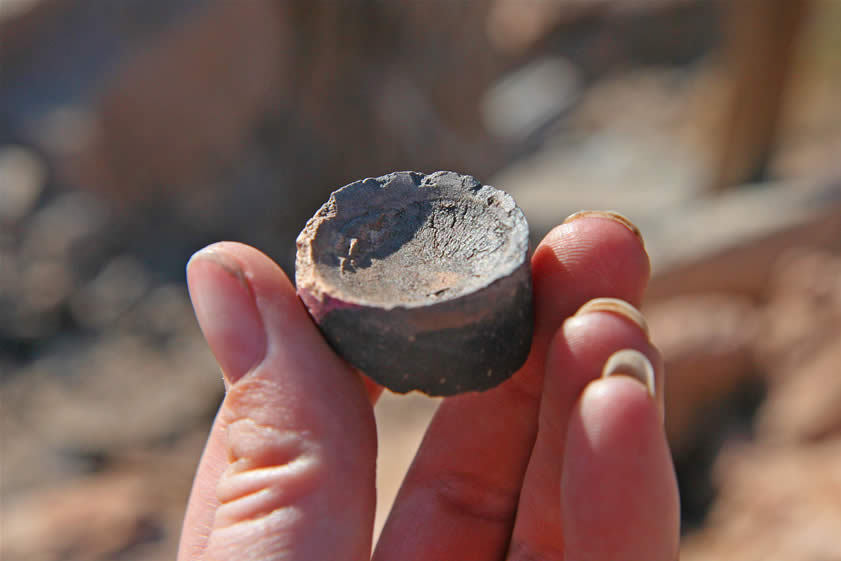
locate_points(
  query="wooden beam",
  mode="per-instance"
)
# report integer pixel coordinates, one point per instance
(761, 38)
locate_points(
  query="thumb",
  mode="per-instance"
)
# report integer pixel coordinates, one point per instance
(289, 468)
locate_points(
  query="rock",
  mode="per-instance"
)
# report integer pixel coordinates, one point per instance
(65, 223)
(88, 520)
(775, 503)
(799, 349)
(758, 450)
(524, 102)
(40, 291)
(707, 342)
(803, 403)
(121, 284)
(422, 282)
(804, 310)
(22, 176)
(133, 509)
(163, 312)
(111, 393)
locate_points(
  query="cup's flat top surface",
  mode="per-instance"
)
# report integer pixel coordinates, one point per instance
(408, 240)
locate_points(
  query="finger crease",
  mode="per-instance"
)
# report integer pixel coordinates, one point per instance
(466, 496)
(521, 551)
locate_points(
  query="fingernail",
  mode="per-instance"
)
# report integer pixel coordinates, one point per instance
(629, 362)
(226, 310)
(615, 306)
(610, 215)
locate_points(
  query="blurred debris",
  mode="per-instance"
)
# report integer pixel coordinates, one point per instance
(617, 29)
(707, 342)
(803, 407)
(62, 226)
(97, 518)
(22, 176)
(806, 292)
(775, 503)
(121, 284)
(263, 107)
(721, 252)
(12, 8)
(762, 483)
(131, 511)
(116, 377)
(531, 98)
(46, 258)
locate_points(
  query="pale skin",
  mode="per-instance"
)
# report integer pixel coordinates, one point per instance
(558, 463)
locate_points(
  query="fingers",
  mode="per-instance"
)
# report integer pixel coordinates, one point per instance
(605, 335)
(290, 463)
(459, 498)
(619, 494)
(591, 255)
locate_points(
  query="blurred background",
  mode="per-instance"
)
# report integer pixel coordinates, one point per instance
(132, 133)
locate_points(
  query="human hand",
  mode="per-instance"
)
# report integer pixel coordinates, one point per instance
(557, 463)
